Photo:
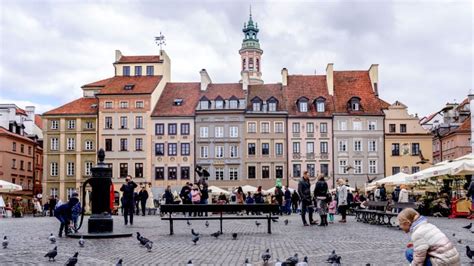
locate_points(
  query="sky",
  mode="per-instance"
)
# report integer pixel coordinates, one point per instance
(49, 49)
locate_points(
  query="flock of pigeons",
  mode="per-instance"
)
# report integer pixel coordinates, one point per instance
(333, 258)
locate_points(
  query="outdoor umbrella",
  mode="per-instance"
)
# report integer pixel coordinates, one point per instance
(217, 190)
(6, 187)
(461, 166)
(397, 179)
(249, 188)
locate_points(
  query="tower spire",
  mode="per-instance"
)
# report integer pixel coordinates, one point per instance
(250, 52)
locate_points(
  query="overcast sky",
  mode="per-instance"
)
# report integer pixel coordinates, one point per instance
(424, 49)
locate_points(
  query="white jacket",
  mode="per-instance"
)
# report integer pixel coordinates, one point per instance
(403, 196)
(428, 240)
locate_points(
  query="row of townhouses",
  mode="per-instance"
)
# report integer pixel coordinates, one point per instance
(247, 132)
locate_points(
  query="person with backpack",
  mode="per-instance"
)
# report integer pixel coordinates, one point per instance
(64, 213)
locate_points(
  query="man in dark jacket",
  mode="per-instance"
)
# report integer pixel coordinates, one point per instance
(143, 196)
(52, 204)
(185, 195)
(295, 200)
(64, 214)
(287, 201)
(128, 190)
(304, 189)
(383, 193)
(396, 194)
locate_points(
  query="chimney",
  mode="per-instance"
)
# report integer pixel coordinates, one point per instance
(245, 80)
(205, 79)
(374, 76)
(30, 111)
(284, 77)
(118, 55)
(330, 78)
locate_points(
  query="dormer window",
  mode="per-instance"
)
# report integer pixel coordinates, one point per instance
(126, 70)
(256, 104)
(233, 102)
(272, 104)
(219, 101)
(128, 87)
(320, 105)
(354, 104)
(303, 104)
(178, 102)
(204, 103)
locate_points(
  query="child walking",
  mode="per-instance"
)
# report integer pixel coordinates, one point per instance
(428, 246)
(332, 209)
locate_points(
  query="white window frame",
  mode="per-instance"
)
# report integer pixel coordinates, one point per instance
(219, 173)
(54, 142)
(296, 127)
(108, 125)
(70, 144)
(326, 147)
(203, 132)
(272, 107)
(219, 104)
(372, 125)
(204, 152)
(342, 143)
(71, 124)
(320, 107)
(358, 145)
(123, 104)
(279, 127)
(138, 144)
(358, 167)
(54, 124)
(124, 122)
(256, 106)
(278, 151)
(87, 168)
(53, 169)
(70, 169)
(265, 127)
(139, 104)
(234, 131)
(88, 145)
(251, 127)
(369, 147)
(233, 173)
(309, 127)
(323, 126)
(342, 125)
(234, 151)
(139, 122)
(108, 105)
(357, 125)
(372, 168)
(343, 166)
(310, 147)
(219, 151)
(303, 107)
(219, 132)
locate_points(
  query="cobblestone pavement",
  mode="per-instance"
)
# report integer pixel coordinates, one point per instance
(357, 243)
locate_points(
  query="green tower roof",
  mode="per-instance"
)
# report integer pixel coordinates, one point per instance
(250, 31)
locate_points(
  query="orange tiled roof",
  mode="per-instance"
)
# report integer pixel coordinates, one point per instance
(115, 85)
(265, 92)
(39, 121)
(20, 111)
(81, 106)
(311, 87)
(189, 92)
(225, 90)
(348, 84)
(139, 59)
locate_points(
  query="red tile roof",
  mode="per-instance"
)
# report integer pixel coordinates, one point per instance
(384, 104)
(225, 90)
(348, 84)
(465, 126)
(311, 87)
(140, 59)
(265, 92)
(188, 92)
(5, 132)
(115, 85)
(81, 106)
(39, 121)
(20, 111)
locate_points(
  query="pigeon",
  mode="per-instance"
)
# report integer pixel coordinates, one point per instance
(5, 242)
(234, 236)
(216, 234)
(459, 241)
(275, 220)
(469, 226)
(188, 222)
(469, 252)
(292, 260)
(332, 257)
(247, 262)
(149, 246)
(52, 253)
(337, 261)
(257, 224)
(278, 263)
(304, 262)
(286, 221)
(81, 242)
(142, 239)
(207, 224)
(195, 239)
(190, 263)
(266, 256)
(52, 238)
(72, 260)
(194, 233)
(119, 263)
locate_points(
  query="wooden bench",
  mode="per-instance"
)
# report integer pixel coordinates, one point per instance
(396, 208)
(220, 209)
(374, 214)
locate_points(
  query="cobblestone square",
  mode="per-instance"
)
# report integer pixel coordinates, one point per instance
(357, 243)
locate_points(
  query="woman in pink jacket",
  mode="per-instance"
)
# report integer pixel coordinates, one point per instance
(429, 246)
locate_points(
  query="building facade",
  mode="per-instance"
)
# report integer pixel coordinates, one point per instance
(358, 125)
(173, 140)
(70, 146)
(408, 145)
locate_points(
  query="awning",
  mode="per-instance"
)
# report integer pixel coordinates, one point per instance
(7, 187)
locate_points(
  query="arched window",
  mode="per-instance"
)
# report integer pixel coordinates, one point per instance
(258, 65)
(251, 63)
(256, 104)
(354, 104)
(272, 104)
(302, 104)
(243, 64)
(320, 104)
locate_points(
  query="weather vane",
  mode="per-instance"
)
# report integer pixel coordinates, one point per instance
(160, 41)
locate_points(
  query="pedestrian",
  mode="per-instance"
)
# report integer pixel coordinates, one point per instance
(128, 196)
(287, 201)
(64, 214)
(195, 196)
(258, 196)
(143, 196)
(428, 246)
(383, 193)
(403, 196)
(150, 203)
(136, 198)
(332, 209)
(377, 194)
(470, 193)
(295, 201)
(249, 200)
(168, 197)
(321, 196)
(46, 208)
(279, 199)
(38, 209)
(304, 190)
(342, 199)
(239, 196)
(52, 204)
(204, 195)
(185, 193)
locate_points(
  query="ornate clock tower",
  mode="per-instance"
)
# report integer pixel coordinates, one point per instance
(250, 53)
